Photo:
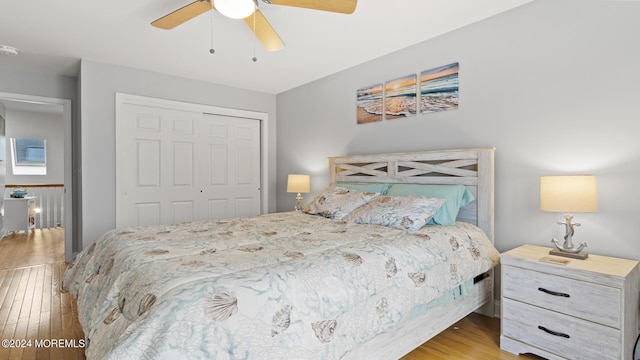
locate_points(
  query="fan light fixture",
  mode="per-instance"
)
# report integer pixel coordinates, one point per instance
(249, 11)
(235, 9)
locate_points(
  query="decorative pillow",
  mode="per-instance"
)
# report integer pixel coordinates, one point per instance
(366, 187)
(400, 212)
(457, 196)
(336, 202)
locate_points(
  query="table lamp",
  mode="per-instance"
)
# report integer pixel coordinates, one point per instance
(568, 194)
(298, 184)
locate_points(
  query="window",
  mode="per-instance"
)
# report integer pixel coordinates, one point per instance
(29, 156)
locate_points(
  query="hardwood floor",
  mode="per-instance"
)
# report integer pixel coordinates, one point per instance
(474, 337)
(35, 313)
(34, 307)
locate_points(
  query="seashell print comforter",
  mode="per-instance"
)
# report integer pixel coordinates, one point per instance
(277, 286)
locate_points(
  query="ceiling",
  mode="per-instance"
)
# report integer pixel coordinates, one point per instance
(52, 36)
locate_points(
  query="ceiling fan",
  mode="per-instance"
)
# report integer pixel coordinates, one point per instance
(249, 12)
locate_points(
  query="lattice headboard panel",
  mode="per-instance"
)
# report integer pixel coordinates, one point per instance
(470, 167)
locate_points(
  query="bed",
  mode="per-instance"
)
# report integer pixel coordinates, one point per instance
(294, 284)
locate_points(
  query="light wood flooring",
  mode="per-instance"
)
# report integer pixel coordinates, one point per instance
(34, 306)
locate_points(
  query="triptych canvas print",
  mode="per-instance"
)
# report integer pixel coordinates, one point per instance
(434, 90)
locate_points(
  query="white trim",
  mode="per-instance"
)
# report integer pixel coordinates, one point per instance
(122, 99)
(68, 163)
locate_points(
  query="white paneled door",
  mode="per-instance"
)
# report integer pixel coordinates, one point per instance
(177, 165)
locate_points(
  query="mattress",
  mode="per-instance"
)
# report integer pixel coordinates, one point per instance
(277, 286)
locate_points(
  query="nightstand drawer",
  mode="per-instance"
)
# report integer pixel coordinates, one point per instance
(593, 302)
(560, 334)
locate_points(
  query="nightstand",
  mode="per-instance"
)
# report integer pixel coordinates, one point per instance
(562, 308)
(20, 214)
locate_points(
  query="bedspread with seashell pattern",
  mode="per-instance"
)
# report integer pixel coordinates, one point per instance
(277, 286)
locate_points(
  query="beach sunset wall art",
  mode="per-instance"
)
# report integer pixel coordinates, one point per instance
(435, 90)
(369, 104)
(439, 89)
(400, 97)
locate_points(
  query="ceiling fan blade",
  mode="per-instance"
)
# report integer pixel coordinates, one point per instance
(264, 31)
(183, 14)
(338, 6)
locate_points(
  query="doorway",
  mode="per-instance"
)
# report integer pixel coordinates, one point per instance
(16, 102)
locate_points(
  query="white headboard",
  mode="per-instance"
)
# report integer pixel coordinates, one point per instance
(470, 167)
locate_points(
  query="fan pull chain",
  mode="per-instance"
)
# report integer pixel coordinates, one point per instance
(211, 50)
(254, 59)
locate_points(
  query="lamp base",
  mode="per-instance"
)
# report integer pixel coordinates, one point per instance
(579, 255)
(299, 203)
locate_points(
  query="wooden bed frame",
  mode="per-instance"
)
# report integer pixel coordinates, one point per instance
(473, 168)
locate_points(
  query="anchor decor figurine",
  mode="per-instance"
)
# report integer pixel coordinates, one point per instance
(568, 248)
(568, 194)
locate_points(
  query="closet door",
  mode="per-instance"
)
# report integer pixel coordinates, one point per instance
(228, 158)
(175, 165)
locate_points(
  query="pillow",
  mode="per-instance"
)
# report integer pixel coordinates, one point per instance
(400, 212)
(366, 187)
(457, 196)
(336, 202)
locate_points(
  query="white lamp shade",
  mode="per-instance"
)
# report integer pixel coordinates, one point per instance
(569, 194)
(298, 183)
(235, 9)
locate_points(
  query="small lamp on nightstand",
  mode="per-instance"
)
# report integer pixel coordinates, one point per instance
(568, 194)
(298, 184)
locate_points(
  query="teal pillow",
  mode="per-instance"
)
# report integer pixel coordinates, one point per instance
(457, 196)
(366, 187)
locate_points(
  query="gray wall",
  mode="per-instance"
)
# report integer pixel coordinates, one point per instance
(3, 156)
(32, 124)
(38, 84)
(552, 85)
(98, 84)
(3, 166)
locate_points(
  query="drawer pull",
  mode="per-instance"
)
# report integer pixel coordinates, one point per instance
(553, 292)
(555, 333)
